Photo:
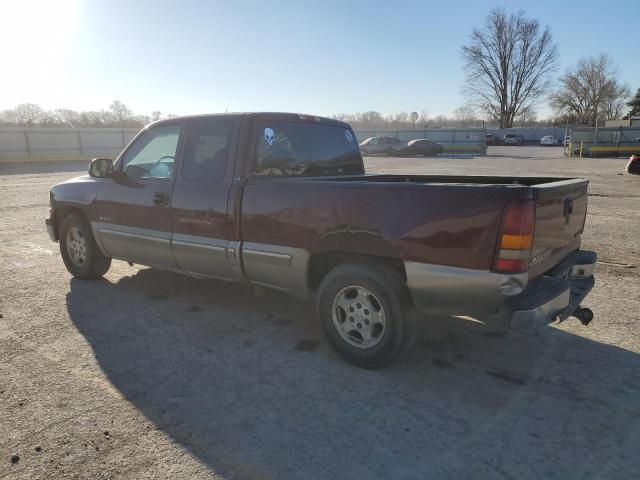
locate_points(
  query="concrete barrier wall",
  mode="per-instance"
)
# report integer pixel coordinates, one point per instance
(30, 144)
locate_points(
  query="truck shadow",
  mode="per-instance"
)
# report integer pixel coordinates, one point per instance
(248, 385)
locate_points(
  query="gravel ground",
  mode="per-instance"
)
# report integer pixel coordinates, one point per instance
(148, 374)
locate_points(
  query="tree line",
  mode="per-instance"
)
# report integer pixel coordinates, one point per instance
(117, 115)
(465, 116)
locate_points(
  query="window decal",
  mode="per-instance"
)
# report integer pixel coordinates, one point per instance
(269, 135)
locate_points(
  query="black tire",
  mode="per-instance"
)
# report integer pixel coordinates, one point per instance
(389, 292)
(95, 264)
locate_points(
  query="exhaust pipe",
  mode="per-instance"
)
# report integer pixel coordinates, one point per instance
(585, 315)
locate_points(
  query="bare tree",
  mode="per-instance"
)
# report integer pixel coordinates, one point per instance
(423, 118)
(92, 118)
(614, 106)
(465, 115)
(155, 116)
(120, 112)
(508, 63)
(591, 91)
(8, 117)
(528, 118)
(49, 119)
(67, 117)
(27, 114)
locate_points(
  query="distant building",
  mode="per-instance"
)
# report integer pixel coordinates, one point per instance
(634, 121)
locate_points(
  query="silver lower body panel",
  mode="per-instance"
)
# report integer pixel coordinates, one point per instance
(510, 300)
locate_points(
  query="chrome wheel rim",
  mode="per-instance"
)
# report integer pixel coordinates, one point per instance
(76, 247)
(358, 317)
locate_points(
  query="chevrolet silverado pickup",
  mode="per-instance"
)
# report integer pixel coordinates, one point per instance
(282, 201)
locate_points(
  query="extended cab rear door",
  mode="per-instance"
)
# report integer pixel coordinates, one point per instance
(204, 231)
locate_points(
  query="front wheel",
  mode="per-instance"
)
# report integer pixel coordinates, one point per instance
(79, 250)
(366, 314)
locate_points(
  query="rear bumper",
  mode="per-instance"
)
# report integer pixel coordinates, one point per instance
(555, 295)
(506, 299)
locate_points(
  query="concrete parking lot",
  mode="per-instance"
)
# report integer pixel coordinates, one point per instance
(148, 374)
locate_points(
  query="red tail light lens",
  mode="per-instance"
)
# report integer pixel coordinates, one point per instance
(516, 237)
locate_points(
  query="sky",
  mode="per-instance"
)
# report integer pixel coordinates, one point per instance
(321, 57)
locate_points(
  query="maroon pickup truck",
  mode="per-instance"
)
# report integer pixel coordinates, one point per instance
(282, 201)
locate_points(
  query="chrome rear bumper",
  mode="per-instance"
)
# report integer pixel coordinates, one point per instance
(555, 295)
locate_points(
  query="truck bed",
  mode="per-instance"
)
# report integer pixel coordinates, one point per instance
(454, 179)
(466, 210)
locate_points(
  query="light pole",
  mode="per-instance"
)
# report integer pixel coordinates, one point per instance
(414, 117)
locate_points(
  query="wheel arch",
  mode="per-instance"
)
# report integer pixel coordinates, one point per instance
(320, 264)
(63, 211)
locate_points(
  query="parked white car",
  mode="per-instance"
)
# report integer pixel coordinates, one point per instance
(548, 140)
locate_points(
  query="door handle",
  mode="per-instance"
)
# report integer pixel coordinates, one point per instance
(161, 198)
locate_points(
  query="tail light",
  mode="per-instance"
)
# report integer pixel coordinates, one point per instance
(516, 237)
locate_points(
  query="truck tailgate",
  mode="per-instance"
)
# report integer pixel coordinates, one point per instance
(561, 209)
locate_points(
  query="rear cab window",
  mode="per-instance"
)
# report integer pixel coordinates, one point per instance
(290, 148)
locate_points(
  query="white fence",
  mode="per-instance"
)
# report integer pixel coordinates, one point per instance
(24, 144)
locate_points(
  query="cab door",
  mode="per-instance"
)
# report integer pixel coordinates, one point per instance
(204, 232)
(134, 209)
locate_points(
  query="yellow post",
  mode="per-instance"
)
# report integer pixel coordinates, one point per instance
(581, 145)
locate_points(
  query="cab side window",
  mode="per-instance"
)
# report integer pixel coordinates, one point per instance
(207, 149)
(153, 154)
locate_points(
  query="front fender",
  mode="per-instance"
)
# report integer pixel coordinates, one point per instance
(76, 194)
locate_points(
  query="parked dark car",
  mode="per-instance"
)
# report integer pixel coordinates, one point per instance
(379, 145)
(513, 139)
(282, 201)
(419, 146)
(491, 139)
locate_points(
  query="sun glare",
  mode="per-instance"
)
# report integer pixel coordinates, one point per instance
(29, 23)
(35, 35)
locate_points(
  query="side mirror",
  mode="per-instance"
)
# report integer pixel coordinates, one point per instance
(101, 168)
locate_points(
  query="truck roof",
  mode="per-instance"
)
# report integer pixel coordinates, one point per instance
(282, 116)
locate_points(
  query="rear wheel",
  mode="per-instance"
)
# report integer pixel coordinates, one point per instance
(366, 314)
(79, 250)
